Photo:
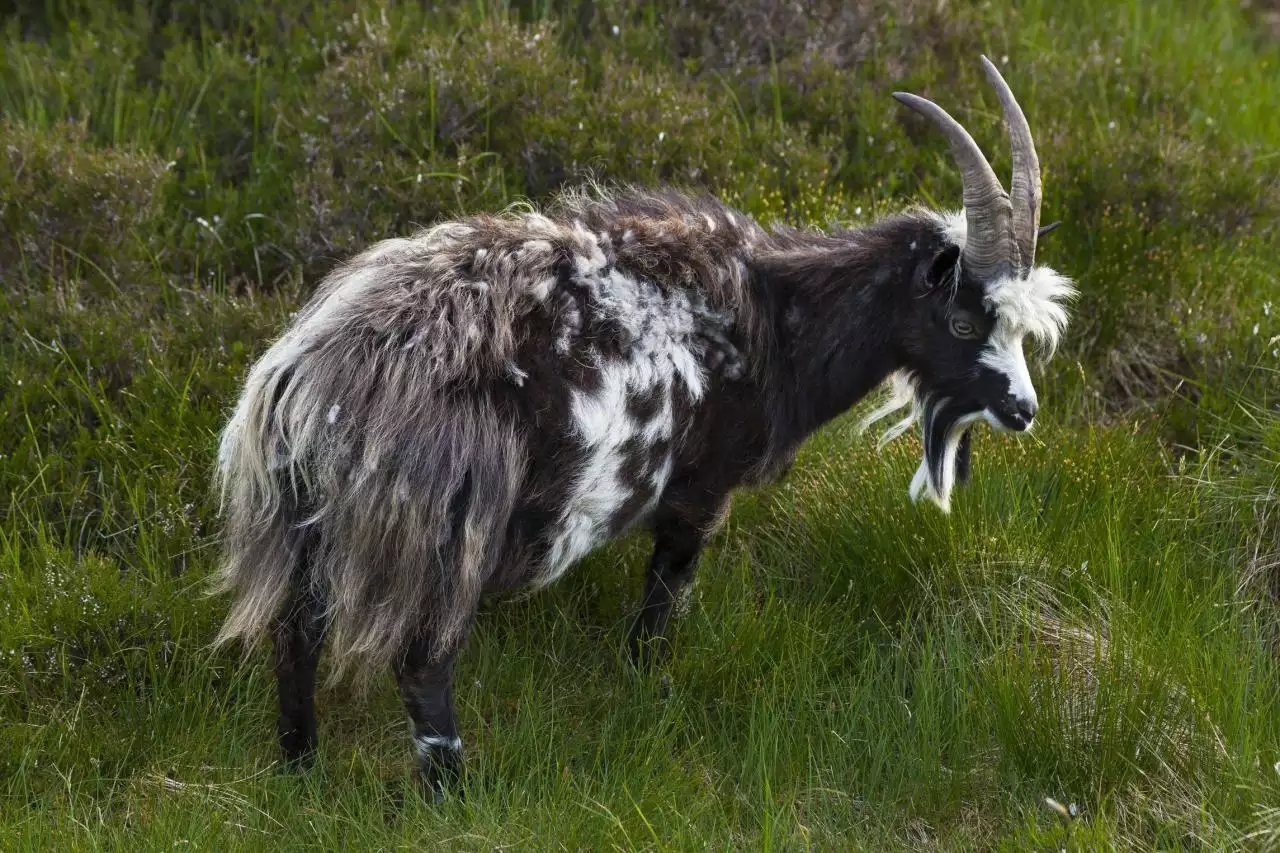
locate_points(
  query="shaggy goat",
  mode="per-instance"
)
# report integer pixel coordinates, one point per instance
(473, 409)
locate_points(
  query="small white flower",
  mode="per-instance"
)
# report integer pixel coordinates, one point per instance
(1111, 125)
(662, 134)
(616, 30)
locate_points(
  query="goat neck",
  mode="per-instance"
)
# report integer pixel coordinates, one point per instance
(838, 300)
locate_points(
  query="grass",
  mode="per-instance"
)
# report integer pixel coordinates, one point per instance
(1096, 624)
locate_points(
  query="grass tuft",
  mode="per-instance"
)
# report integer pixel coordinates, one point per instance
(1082, 656)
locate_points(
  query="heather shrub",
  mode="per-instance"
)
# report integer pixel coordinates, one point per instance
(402, 132)
(70, 209)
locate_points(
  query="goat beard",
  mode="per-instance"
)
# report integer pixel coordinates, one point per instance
(947, 426)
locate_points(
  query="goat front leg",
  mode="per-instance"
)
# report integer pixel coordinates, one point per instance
(678, 542)
(426, 686)
(297, 639)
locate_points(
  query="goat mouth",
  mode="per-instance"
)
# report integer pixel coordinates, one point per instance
(1006, 423)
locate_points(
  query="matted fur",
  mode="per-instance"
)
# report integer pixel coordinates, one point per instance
(371, 435)
(471, 409)
(354, 431)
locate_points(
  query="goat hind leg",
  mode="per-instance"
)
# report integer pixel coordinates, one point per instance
(426, 686)
(297, 639)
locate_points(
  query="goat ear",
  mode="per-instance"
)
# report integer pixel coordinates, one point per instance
(964, 461)
(941, 270)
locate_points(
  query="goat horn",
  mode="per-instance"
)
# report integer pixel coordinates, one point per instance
(1024, 191)
(987, 211)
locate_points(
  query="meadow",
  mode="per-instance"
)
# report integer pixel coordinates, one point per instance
(1096, 624)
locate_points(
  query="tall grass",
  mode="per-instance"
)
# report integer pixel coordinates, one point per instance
(1094, 625)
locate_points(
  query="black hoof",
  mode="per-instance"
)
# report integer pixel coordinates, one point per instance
(439, 775)
(437, 788)
(297, 746)
(297, 762)
(648, 653)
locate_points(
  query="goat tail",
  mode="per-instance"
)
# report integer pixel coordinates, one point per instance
(260, 541)
(385, 498)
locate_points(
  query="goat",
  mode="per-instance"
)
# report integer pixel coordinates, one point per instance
(472, 409)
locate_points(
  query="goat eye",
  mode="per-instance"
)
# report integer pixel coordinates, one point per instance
(963, 329)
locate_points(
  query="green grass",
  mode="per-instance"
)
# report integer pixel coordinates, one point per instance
(1097, 622)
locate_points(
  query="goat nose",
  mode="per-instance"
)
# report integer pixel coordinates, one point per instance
(1026, 410)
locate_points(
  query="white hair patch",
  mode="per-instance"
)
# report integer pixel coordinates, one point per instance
(1032, 305)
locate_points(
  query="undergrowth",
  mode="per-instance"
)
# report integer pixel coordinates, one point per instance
(1096, 623)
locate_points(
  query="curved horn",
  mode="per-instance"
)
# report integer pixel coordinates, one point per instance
(1024, 191)
(988, 214)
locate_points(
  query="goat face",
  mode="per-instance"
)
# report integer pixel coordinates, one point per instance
(965, 339)
(964, 356)
(976, 300)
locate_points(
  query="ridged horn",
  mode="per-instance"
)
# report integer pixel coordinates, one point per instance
(1024, 191)
(988, 248)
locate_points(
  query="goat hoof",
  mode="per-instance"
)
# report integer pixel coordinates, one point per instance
(293, 763)
(438, 781)
(432, 793)
(647, 652)
(436, 789)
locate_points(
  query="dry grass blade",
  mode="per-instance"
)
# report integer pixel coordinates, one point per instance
(225, 796)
